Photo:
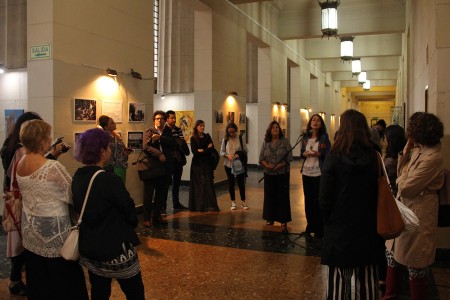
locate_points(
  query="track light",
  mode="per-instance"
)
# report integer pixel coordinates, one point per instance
(136, 74)
(111, 72)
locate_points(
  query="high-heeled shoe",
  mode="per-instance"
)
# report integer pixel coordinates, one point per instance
(284, 229)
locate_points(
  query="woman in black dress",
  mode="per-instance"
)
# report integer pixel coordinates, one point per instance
(202, 195)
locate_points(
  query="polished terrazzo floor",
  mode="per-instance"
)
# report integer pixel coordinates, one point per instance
(234, 255)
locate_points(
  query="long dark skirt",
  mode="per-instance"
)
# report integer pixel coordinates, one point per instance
(277, 204)
(202, 195)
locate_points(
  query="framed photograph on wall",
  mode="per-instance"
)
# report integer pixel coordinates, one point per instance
(219, 117)
(136, 112)
(85, 110)
(113, 110)
(230, 116)
(136, 140)
(241, 118)
(11, 116)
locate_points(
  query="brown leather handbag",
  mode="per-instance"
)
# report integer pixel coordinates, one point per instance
(390, 223)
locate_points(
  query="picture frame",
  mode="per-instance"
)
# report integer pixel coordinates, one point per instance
(136, 140)
(113, 110)
(136, 112)
(11, 116)
(230, 117)
(85, 110)
(242, 118)
(219, 117)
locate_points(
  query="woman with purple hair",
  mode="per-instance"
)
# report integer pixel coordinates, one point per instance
(107, 238)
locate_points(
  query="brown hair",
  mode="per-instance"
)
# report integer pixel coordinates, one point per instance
(425, 129)
(354, 135)
(268, 136)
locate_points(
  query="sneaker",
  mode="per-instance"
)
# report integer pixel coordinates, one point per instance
(233, 205)
(244, 206)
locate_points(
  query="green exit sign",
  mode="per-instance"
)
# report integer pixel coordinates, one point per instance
(41, 52)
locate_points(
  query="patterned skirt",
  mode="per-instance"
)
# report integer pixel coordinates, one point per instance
(125, 265)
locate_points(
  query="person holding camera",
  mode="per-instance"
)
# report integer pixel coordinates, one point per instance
(234, 149)
(119, 153)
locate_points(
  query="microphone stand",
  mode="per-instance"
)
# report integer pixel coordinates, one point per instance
(299, 139)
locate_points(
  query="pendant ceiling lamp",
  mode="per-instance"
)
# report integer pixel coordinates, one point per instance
(356, 66)
(362, 77)
(347, 48)
(366, 85)
(329, 17)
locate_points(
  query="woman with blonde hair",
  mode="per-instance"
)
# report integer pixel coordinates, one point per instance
(45, 188)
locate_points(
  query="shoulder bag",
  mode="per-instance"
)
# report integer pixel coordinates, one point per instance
(149, 167)
(12, 210)
(69, 250)
(215, 157)
(390, 223)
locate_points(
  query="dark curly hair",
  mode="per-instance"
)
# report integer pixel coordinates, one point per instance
(268, 136)
(425, 129)
(396, 140)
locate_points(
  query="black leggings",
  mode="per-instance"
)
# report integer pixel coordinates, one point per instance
(241, 184)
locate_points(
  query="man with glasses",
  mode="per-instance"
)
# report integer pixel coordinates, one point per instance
(158, 143)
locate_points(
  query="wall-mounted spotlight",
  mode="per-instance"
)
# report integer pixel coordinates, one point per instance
(135, 74)
(2, 69)
(285, 104)
(356, 66)
(111, 72)
(233, 93)
(277, 103)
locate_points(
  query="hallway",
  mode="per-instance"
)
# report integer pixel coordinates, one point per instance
(234, 255)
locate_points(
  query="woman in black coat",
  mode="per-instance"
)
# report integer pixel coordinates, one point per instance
(107, 237)
(348, 202)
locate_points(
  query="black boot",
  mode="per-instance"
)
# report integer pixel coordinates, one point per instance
(157, 219)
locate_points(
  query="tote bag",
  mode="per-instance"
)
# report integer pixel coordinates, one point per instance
(390, 223)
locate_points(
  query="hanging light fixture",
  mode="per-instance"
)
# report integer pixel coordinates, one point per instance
(362, 77)
(347, 48)
(356, 66)
(366, 85)
(329, 17)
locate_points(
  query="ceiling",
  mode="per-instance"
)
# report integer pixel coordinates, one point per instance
(377, 26)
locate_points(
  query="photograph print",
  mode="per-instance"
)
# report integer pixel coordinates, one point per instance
(85, 110)
(136, 112)
(11, 116)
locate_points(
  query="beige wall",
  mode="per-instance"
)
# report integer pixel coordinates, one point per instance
(87, 37)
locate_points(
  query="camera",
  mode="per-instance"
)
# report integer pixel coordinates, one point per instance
(59, 140)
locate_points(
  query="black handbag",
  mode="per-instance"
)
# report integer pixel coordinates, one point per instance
(149, 167)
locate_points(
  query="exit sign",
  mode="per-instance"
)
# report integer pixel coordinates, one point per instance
(41, 52)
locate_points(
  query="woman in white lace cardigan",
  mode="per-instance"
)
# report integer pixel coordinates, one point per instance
(45, 188)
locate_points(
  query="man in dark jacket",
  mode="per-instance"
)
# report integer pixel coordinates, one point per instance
(178, 154)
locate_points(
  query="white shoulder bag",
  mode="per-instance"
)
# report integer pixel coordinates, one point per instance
(69, 250)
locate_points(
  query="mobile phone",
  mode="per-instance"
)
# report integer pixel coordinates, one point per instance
(57, 141)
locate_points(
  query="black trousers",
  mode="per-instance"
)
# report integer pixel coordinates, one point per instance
(17, 263)
(176, 182)
(54, 278)
(241, 184)
(133, 288)
(154, 194)
(314, 220)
